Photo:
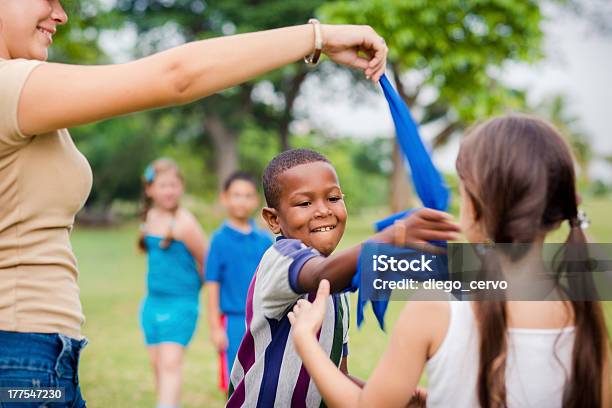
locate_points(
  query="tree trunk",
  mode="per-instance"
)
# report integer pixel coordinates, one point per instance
(290, 97)
(226, 147)
(401, 196)
(444, 135)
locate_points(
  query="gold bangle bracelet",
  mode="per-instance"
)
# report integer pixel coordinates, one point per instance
(313, 58)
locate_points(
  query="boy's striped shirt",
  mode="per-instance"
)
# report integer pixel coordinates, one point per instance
(268, 372)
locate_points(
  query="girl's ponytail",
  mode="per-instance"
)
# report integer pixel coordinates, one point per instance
(591, 341)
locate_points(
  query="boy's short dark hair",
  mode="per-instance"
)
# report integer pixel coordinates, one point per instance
(239, 175)
(281, 163)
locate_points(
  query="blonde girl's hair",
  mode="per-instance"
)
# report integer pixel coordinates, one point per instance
(157, 167)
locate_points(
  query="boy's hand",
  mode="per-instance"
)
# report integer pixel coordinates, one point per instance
(419, 398)
(421, 226)
(307, 318)
(219, 339)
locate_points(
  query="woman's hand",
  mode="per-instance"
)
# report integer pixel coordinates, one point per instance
(344, 43)
(307, 318)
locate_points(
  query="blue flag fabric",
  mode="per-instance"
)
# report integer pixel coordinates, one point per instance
(427, 180)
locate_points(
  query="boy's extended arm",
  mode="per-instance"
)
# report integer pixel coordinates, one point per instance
(418, 228)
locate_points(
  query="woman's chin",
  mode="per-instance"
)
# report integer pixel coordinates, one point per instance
(39, 52)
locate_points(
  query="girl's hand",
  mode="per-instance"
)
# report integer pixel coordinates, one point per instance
(356, 46)
(307, 318)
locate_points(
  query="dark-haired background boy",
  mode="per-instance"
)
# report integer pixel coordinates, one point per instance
(235, 251)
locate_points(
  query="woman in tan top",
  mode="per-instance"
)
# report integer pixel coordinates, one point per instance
(44, 179)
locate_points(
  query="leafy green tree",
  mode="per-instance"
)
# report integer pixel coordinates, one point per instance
(77, 41)
(556, 110)
(446, 56)
(225, 116)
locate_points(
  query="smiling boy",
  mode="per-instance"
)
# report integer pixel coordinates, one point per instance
(305, 206)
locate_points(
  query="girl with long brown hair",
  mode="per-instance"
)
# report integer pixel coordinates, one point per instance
(176, 248)
(517, 185)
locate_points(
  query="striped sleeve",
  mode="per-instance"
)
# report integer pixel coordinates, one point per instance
(278, 276)
(346, 318)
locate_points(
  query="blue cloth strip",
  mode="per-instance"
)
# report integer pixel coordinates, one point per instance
(387, 222)
(427, 181)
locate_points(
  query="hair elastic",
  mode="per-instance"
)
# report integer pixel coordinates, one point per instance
(149, 173)
(581, 220)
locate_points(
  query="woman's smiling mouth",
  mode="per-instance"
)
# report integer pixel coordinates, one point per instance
(48, 33)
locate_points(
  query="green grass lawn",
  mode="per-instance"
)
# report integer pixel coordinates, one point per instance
(115, 371)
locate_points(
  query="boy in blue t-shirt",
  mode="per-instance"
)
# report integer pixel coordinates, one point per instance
(235, 251)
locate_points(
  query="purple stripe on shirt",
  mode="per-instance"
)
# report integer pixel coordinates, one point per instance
(246, 352)
(298, 399)
(273, 360)
(345, 350)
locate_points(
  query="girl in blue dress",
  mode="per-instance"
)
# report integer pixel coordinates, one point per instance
(175, 247)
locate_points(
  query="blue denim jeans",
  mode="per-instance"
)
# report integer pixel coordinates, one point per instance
(38, 360)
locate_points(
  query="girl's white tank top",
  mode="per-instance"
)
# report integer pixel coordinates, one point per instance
(538, 364)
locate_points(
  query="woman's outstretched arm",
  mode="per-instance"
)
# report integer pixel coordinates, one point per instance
(60, 96)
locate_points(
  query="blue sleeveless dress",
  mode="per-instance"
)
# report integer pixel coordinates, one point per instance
(169, 312)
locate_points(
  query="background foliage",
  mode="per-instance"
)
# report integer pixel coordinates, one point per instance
(446, 60)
